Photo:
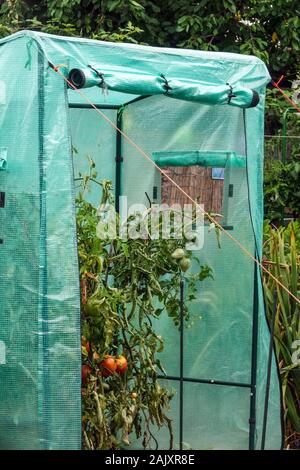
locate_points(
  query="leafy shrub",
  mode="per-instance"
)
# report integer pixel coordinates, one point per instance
(282, 258)
(282, 189)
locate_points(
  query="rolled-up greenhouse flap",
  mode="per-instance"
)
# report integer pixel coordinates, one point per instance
(146, 84)
(201, 158)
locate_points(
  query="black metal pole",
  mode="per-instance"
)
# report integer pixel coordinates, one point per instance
(119, 160)
(89, 106)
(138, 98)
(181, 365)
(269, 368)
(252, 418)
(205, 381)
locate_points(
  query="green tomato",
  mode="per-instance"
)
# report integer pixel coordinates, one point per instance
(185, 264)
(178, 253)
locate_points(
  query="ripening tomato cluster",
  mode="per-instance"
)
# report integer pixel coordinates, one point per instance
(107, 366)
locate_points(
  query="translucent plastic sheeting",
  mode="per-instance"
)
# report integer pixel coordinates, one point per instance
(94, 139)
(210, 70)
(177, 126)
(206, 417)
(141, 83)
(210, 159)
(219, 345)
(39, 288)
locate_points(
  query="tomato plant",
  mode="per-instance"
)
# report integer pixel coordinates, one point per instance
(125, 284)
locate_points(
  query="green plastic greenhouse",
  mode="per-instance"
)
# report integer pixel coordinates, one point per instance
(184, 108)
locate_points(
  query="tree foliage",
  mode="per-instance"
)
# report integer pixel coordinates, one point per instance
(270, 30)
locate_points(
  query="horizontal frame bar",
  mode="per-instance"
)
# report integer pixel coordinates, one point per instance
(205, 381)
(225, 227)
(139, 98)
(98, 106)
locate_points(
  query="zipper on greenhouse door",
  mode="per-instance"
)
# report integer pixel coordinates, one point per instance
(2, 205)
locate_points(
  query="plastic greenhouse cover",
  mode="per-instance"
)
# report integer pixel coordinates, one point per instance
(39, 288)
(40, 402)
(150, 84)
(219, 345)
(209, 159)
(142, 70)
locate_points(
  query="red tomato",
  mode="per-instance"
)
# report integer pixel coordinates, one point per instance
(85, 372)
(108, 366)
(121, 362)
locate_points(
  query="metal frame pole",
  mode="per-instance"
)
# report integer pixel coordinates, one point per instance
(252, 418)
(119, 160)
(181, 364)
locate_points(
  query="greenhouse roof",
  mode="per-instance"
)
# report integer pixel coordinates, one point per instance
(142, 70)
